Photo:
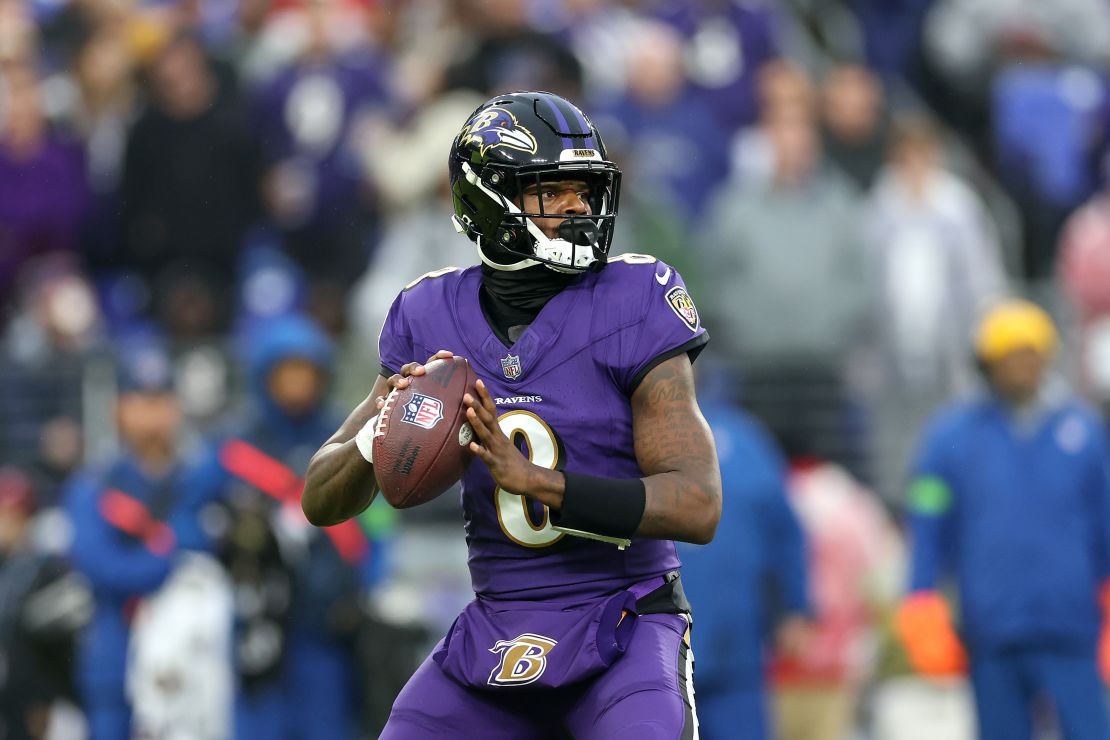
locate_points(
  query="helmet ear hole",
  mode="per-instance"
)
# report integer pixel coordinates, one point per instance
(508, 235)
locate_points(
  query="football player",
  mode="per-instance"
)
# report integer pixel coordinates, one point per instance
(593, 456)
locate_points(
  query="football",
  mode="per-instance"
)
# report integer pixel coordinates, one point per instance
(423, 442)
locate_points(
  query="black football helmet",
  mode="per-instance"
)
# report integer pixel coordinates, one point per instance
(521, 139)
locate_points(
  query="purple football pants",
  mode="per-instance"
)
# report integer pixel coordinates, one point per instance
(646, 694)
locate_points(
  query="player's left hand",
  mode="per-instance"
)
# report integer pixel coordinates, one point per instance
(510, 469)
(410, 370)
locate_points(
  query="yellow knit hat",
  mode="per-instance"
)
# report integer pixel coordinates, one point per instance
(1013, 325)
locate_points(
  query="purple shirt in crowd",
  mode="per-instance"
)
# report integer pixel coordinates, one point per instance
(42, 201)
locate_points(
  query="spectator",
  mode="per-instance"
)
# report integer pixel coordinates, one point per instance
(250, 42)
(790, 285)
(937, 263)
(36, 645)
(246, 541)
(853, 566)
(725, 45)
(785, 91)
(42, 374)
(1083, 266)
(855, 128)
(103, 73)
(937, 258)
(179, 677)
(131, 516)
(598, 32)
(1045, 123)
(310, 628)
(416, 236)
(315, 187)
(1009, 500)
(966, 42)
(189, 190)
(747, 585)
(505, 54)
(19, 38)
(42, 193)
(262, 37)
(892, 34)
(672, 140)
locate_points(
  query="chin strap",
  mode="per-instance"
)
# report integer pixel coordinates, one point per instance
(465, 227)
(523, 264)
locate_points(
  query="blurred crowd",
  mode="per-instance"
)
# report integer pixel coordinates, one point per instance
(207, 207)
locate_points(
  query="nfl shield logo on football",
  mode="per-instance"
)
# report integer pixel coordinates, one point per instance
(423, 411)
(511, 366)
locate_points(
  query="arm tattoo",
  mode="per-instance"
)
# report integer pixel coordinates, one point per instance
(675, 450)
(667, 386)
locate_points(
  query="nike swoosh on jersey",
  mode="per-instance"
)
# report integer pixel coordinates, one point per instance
(662, 279)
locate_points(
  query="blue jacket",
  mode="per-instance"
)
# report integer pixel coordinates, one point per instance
(322, 578)
(1019, 514)
(754, 569)
(120, 567)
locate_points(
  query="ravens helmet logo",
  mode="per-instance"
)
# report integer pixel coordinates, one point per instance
(497, 127)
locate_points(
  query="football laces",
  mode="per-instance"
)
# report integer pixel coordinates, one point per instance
(383, 415)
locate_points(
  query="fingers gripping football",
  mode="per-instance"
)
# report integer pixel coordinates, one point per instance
(402, 380)
(508, 466)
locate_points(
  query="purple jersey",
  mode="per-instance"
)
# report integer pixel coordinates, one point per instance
(563, 389)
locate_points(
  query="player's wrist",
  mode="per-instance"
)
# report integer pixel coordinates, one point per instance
(364, 439)
(546, 486)
(606, 506)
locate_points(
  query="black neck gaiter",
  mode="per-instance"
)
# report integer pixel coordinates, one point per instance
(514, 298)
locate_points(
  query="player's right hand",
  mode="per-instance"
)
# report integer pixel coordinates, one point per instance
(410, 370)
(510, 469)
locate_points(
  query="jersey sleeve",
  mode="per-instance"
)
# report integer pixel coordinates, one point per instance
(669, 324)
(395, 347)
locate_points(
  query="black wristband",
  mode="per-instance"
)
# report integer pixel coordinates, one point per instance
(607, 506)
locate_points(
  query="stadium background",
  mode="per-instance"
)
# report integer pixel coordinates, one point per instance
(190, 170)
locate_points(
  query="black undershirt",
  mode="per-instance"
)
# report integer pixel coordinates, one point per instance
(511, 300)
(507, 321)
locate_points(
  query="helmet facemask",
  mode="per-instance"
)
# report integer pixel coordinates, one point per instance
(582, 241)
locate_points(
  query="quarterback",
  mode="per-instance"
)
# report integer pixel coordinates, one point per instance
(591, 454)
